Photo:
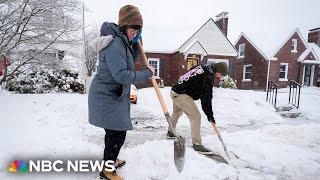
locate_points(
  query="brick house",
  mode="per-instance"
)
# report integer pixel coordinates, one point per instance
(46, 56)
(252, 64)
(209, 44)
(4, 61)
(296, 59)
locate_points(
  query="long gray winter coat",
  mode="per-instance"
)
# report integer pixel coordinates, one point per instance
(108, 99)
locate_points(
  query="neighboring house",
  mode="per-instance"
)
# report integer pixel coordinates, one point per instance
(4, 61)
(207, 45)
(296, 59)
(252, 64)
(53, 54)
(49, 58)
(45, 56)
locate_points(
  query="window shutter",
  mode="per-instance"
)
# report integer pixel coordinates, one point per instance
(230, 68)
(161, 68)
(204, 61)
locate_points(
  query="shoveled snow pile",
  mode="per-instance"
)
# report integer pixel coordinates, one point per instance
(236, 108)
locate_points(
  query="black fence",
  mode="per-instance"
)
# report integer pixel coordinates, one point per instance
(272, 93)
(294, 93)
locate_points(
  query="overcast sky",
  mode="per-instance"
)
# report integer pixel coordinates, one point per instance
(168, 23)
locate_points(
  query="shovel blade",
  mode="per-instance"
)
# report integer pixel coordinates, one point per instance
(179, 153)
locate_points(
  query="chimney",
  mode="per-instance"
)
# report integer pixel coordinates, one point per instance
(314, 36)
(222, 22)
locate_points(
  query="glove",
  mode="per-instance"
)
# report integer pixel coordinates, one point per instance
(212, 120)
(148, 73)
(150, 68)
(137, 38)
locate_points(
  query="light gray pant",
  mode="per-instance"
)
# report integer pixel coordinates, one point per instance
(185, 103)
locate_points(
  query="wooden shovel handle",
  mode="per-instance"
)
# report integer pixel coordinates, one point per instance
(153, 80)
(221, 140)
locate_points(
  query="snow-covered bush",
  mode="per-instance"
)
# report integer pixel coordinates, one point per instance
(45, 81)
(228, 83)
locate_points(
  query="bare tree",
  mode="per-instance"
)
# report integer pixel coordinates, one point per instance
(91, 54)
(35, 25)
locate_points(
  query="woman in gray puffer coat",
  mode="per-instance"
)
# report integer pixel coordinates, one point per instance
(108, 100)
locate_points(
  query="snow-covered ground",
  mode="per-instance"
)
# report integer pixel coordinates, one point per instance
(54, 126)
(309, 101)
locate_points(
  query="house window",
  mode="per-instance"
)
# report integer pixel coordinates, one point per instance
(294, 44)
(155, 63)
(242, 49)
(49, 56)
(213, 61)
(247, 72)
(283, 75)
(60, 55)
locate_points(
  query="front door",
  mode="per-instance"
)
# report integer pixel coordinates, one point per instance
(192, 62)
(307, 75)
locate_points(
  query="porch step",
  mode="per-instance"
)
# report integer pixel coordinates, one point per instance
(288, 111)
(285, 108)
(290, 114)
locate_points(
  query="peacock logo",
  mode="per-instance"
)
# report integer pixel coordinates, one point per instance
(18, 166)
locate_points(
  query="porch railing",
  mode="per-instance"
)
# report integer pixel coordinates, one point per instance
(272, 93)
(294, 93)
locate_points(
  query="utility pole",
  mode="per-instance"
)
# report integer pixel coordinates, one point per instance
(83, 59)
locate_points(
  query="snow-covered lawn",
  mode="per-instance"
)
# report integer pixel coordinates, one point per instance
(54, 126)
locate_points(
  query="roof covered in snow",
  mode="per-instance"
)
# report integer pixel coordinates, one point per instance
(268, 45)
(315, 50)
(208, 39)
(212, 39)
(315, 29)
(265, 43)
(305, 43)
(253, 44)
(195, 47)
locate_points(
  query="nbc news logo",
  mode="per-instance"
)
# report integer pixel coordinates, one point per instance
(20, 166)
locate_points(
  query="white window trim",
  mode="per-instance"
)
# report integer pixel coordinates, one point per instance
(242, 45)
(295, 45)
(158, 65)
(244, 73)
(286, 75)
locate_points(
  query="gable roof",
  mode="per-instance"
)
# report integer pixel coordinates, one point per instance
(316, 49)
(242, 34)
(312, 48)
(217, 44)
(195, 47)
(315, 29)
(286, 40)
(264, 43)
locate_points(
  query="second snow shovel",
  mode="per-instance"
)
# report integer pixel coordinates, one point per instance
(221, 140)
(236, 160)
(179, 143)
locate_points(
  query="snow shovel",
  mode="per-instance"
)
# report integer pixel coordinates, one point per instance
(221, 140)
(179, 143)
(236, 162)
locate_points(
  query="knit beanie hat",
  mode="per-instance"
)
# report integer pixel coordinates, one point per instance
(221, 67)
(130, 16)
